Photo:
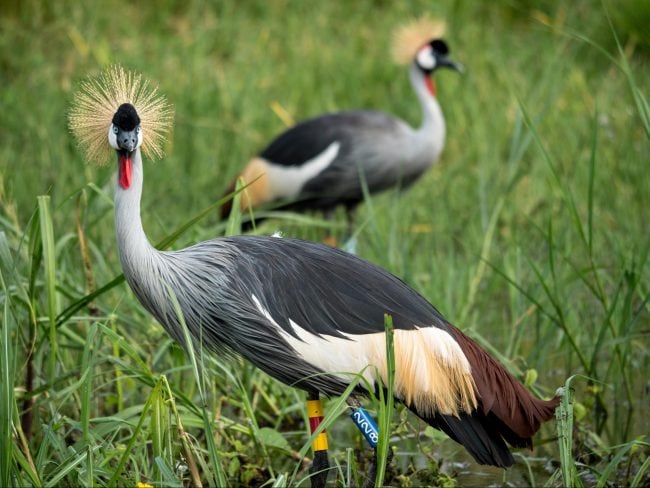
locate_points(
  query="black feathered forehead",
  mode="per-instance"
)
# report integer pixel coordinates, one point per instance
(439, 46)
(126, 117)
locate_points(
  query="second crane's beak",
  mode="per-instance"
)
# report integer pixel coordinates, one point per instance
(445, 62)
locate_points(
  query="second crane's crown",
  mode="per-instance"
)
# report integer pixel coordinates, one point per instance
(410, 37)
(97, 101)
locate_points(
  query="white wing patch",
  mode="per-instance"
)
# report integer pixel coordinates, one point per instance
(431, 370)
(285, 182)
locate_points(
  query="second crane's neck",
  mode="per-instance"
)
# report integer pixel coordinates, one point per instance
(132, 243)
(433, 122)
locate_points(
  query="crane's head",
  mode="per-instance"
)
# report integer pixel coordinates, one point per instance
(433, 55)
(420, 43)
(125, 136)
(125, 132)
(120, 111)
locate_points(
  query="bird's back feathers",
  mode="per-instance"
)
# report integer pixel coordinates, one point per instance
(309, 138)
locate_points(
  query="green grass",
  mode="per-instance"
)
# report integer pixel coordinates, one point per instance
(531, 234)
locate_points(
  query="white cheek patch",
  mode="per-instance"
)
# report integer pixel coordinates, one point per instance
(112, 138)
(425, 58)
(140, 138)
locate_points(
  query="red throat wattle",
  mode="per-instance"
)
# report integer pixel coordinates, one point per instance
(431, 85)
(125, 170)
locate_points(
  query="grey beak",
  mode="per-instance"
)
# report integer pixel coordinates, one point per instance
(448, 63)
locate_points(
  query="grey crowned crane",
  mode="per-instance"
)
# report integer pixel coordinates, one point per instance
(325, 161)
(303, 312)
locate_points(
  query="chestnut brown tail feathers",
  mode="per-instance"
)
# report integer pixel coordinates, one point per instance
(503, 396)
(507, 412)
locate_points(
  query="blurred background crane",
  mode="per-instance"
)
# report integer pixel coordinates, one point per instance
(333, 159)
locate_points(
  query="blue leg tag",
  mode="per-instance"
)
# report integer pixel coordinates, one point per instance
(366, 424)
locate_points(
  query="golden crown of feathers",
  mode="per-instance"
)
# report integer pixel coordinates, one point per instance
(410, 37)
(98, 99)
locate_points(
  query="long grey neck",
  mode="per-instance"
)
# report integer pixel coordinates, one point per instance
(145, 268)
(432, 128)
(132, 243)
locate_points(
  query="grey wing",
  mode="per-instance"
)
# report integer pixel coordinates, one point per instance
(328, 291)
(307, 293)
(244, 292)
(372, 145)
(375, 150)
(305, 140)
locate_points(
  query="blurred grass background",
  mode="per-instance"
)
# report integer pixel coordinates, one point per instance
(531, 233)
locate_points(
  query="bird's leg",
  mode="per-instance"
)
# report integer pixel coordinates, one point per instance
(350, 214)
(329, 239)
(368, 427)
(372, 469)
(350, 244)
(320, 467)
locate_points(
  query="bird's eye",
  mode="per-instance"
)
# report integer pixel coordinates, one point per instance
(115, 130)
(137, 130)
(425, 58)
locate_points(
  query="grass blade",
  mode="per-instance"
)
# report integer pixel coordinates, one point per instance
(641, 473)
(167, 476)
(87, 370)
(564, 425)
(197, 368)
(158, 428)
(113, 481)
(7, 368)
(233, 226)
(49, 260)
(187, 450)
(386, 405)
(66, 468)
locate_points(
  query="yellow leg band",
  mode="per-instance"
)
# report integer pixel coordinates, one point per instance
(320, 443)
(315, 414)
(314, 408)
